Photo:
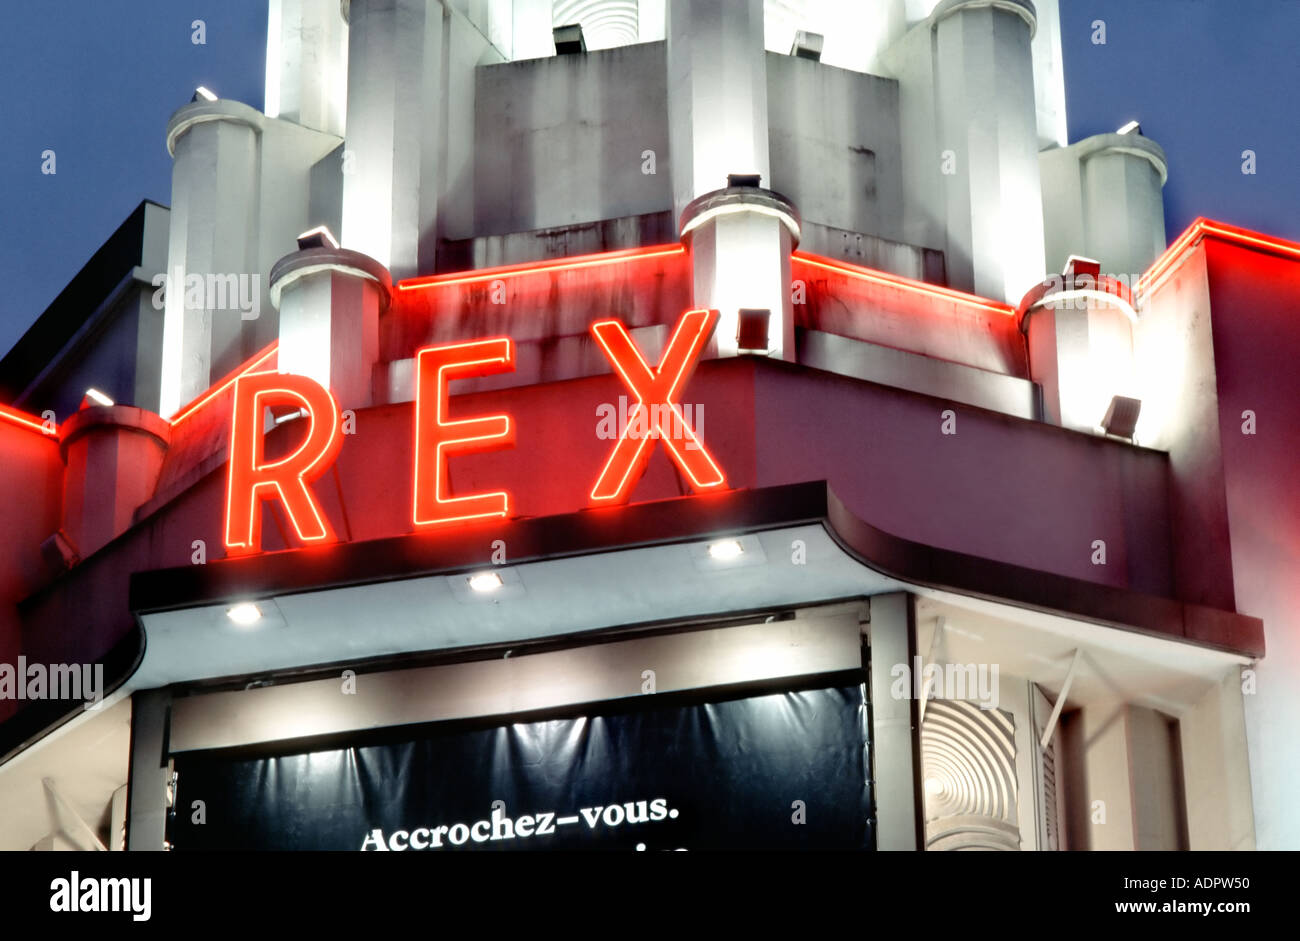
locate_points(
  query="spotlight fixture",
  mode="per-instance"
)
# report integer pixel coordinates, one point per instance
(99, 398)
(203, 94)
(807, 45)
(569, 39)
(751, 329)
(1131, 128)
(1121, 417)
(1077, 266)
(319, 237)
(724, 550)
(484, 581)
(245, 614)
(292, 415)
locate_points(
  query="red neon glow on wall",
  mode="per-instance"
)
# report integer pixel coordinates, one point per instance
(229, 380)
(1200, 228)
(904, 284)
(564, 264)
(437, 437)
(28, 422)
(656, 411)
(250, 480)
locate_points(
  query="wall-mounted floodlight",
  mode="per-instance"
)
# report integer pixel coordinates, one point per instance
(484, 581)
(244, 614)
(319, 237)
(1121, 417)
(751, 329)
(569, 39)
(725, 550)
(807, 45)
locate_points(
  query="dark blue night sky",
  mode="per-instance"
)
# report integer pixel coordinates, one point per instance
(96, 80)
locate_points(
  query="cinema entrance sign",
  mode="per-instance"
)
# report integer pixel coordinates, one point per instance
(656, 416)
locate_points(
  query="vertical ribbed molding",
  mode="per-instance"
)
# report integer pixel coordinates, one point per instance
(307, 64)
(394, 108)
(213, 287)
(717, 95)
(986, 116)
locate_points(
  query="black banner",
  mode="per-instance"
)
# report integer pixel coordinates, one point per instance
(788, 770)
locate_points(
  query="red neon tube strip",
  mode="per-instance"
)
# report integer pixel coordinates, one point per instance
(565, 264)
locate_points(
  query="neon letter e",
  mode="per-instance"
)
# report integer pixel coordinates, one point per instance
(437, 437)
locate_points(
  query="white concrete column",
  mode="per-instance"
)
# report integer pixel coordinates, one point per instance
(1080, 336)
(893, 732)
(1102, 198)
(717, 95)
(986, 117)
(307, 64)
(329, 301)
(150, 771)
(212, 248)
(394, 118)
(1049, 75)
(740, 239)
(1123, 177)
(112, 456)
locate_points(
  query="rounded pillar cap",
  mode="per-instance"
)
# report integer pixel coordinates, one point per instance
(112, 418)
(1021, 8)
(735, 199)
(1134, 145)
(1070, 292)
(309, 261)
(202, 112)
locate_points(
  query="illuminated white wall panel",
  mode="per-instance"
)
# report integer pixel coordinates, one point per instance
(307, 64)
(1081, 353)
(987, 118)
(1049, 75)
(531, 30)
(717, 94)
(390, 171)
(855, 32)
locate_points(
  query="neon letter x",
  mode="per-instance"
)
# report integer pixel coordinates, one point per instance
(656, 410)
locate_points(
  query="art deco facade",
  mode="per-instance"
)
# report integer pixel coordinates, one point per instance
(955, 425)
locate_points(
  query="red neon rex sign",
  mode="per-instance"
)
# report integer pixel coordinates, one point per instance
(656, 393)
(251, 479)
(438, 437)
